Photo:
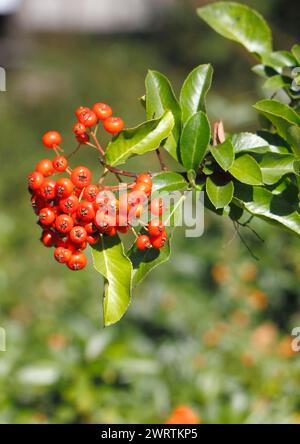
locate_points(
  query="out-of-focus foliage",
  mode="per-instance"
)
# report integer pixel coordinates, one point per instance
(211, 329)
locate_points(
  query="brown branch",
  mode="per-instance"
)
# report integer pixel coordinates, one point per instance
(161, 161)
(117, 170)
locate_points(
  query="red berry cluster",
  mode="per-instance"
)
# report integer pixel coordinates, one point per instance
(87, 118)
(73, 212)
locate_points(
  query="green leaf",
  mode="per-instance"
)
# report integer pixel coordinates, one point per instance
(194, 90)
(284, 118)
(249, 142)
(279, 60)
(109, 260)
(277, 82)
(274, 166)
(246, 170)
(262, 203)
(223, 154)
(219, 193)
(160, 98)
(270, 108)
(194, 141)
(239, 23)
(139, 140)
(145, 261)
(296, 53)
(168, 181)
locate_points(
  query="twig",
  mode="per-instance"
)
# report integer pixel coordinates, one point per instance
(117, 170)
(99, 147)
(162, 163)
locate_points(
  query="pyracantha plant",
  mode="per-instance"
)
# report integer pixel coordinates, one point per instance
(254, 173)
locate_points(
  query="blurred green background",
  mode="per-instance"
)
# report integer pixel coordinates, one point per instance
(210, 329)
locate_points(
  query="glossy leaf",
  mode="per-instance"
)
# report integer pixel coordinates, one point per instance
(194, 90)
(145, 261)
(277, 82)
(275, 166)
(194, 141)
(284, 118)
(243, 142)
(160, 98)
(279, 60)
(139, 140)
(296, 53)
(168, 181)
(246, 170)
(272, 207)
(223, 154)
(220, 194)
(109, 260)
(239, 23)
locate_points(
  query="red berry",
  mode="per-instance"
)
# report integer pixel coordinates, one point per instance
(113, 125)
(35, 180)
(159, 241)
(81, 177)
(79, 129)
(51, 139)
(64, 187)
(136, 211)
(90, 193)
(45, 167)
(88, 118)
(64, 223)
(60, 163)
(48, 189)
(92, 239)
(46, 216)
(157, 207)
(69, 204)
(145, 178)
(48, 238)
(112, 231)
(90, 228)
(84, 138)
(37, 203)
(77, 261)
(102, 110)
(62, 255)
(143, 242)
(86, 211)
(78, 234)
(156, 227)
(104, 222)
(80, 110)
(144, 187)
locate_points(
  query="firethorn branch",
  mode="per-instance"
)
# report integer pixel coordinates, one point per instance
(161, 161)
(117, 170)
